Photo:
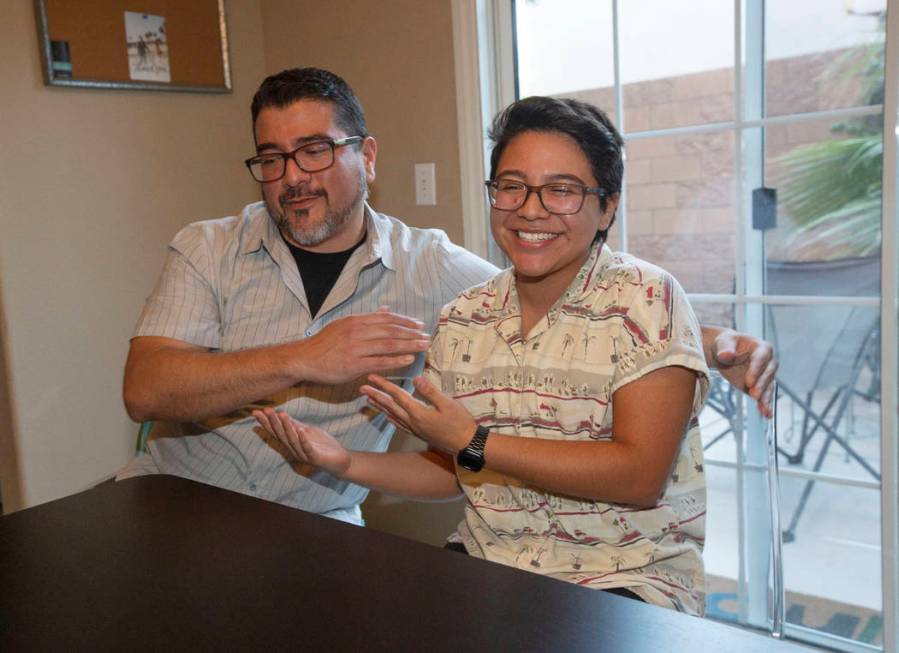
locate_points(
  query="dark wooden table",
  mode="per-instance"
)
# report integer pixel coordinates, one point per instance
(160, 563)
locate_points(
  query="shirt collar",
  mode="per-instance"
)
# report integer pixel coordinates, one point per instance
(583, 283)
(378, 242)
(507, 308)
(507, 298)
(261, 229)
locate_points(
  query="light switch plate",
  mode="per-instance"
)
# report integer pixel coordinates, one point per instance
(425, 184)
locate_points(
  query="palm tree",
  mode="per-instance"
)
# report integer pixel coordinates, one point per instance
(832, 193)
(454, 345)
(831, 190)
(567, 341)
(587, 339)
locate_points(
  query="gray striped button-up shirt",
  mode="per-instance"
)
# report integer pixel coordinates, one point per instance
(232, 284)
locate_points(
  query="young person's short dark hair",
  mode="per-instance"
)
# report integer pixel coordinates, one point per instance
(293, 84)
(588, 125)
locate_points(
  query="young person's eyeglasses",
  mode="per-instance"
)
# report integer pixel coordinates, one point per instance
(561, 198)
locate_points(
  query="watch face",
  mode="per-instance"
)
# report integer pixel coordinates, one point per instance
(469, 460)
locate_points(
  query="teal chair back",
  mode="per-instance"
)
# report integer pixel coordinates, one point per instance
(142, 435)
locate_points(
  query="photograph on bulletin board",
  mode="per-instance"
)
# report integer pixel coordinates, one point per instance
(148, 53)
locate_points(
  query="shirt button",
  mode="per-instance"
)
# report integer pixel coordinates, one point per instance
(252, 487)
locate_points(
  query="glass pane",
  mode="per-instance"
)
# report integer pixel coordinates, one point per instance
(680, 207)
(829, 388)
(693, 82)
(721, 552)
(739, 510)
(720, 421)
(614, 236)
(564, 49)
(832, 567)
(836, 64)
(828, 175)
(714, 314)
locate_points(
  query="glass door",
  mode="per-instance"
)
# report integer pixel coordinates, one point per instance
(754, 139)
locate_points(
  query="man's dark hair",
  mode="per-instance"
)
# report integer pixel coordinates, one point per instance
(293, 84)
(589, 126)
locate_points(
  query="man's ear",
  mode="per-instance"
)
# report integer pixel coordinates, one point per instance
(369, 154)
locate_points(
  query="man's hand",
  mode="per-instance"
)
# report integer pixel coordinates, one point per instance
(176, 381)
(308, 444)
(442, 422)
(355, 345)
(748, 364)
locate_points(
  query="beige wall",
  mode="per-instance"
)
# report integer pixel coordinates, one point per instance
(93, 184)
(398, 57)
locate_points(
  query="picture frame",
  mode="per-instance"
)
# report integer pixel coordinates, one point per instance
(166, 45)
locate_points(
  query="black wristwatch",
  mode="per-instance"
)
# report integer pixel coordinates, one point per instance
(472, 456)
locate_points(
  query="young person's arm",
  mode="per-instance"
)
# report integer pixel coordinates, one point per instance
(426, 475)
(631, 468)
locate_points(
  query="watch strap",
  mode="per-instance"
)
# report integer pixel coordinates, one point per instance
(472, 456)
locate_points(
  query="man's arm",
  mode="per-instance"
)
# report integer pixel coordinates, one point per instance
(746, 362)
(172, 380)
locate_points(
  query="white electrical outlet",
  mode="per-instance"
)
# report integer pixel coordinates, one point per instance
(425, 184)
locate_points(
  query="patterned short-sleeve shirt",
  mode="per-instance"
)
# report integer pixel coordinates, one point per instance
(620, 319)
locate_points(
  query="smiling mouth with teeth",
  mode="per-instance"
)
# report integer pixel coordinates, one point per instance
(535, 237)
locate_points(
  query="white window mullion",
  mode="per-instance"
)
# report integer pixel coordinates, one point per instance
(619, 118)
(470, 125)
(889, 334)
(712, 127)
(786, 300)
(750, 53)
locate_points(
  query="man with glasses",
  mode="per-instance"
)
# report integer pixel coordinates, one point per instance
(292, 302)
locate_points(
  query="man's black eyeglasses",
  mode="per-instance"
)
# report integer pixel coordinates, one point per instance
(314, 156)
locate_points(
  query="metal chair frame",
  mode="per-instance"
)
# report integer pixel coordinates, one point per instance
(827, 421)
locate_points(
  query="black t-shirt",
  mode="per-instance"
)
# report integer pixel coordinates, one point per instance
(320, 272)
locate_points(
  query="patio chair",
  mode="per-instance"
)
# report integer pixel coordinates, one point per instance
(827, 359)
(822, 392)
(143, 434)
(829, 356)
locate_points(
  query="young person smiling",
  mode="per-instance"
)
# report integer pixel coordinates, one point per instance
(562, 396)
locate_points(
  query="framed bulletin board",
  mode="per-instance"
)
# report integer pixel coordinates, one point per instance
(169, 45)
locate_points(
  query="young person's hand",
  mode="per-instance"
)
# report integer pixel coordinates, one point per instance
(308, 444)
(748, 364)
(442, 422)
